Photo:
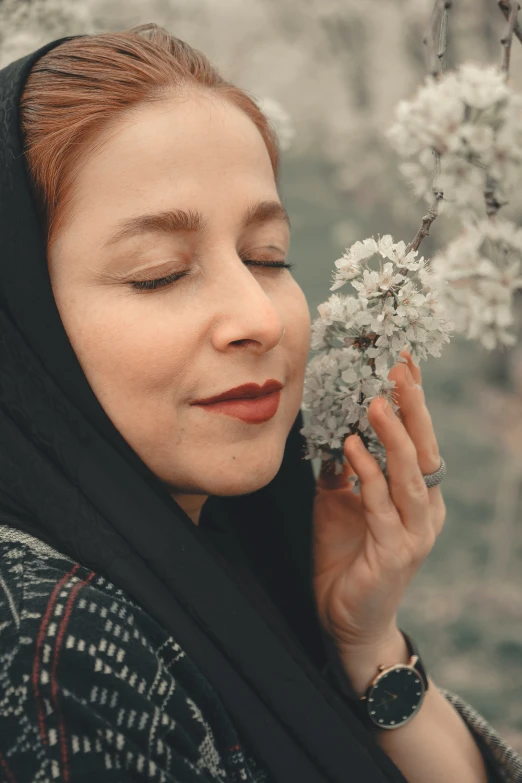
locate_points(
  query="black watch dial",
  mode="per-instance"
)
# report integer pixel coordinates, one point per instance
(394, 698)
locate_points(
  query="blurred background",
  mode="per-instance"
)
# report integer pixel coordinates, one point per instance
(332, 72)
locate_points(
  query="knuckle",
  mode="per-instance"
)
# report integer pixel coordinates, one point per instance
(420, 550)
(389, 514)
(428, 544)
(417, 488)
(425, 546)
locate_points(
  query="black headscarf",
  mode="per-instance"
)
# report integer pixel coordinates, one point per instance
(68, 477)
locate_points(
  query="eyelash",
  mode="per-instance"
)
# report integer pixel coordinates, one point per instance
(163, 282)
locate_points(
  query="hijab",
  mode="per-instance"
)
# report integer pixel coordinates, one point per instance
(68, 477)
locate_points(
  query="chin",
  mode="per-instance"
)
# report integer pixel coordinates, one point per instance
(242, 481)
(239, 479)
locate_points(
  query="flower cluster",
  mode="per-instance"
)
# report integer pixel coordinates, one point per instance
(473, 120)
(338, 389)
(395, 307)
(476, 276)
(461, 137)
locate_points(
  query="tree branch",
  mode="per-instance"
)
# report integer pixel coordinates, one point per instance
(429, 42)
(490, 197)
(510, 11)
(444, 6)
(505, 7)
(425, 225)
(507, 38)
(443, 36)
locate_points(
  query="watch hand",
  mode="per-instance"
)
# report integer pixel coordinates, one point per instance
(381, 703)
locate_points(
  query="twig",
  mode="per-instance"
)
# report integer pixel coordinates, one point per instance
(429, 42)
(505, 7)
(443, 36)
(507, 38)
(438, 195)
(492, 203)
(425, 225)
(510, 11)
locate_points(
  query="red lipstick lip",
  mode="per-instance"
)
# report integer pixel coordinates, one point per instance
(244, 392)
(252, 411)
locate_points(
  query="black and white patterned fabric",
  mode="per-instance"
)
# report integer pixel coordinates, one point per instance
(508, 761)
(93, 689)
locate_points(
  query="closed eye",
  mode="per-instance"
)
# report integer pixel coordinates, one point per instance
(162, 282)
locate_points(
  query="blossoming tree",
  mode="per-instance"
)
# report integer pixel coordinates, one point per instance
(461, 138)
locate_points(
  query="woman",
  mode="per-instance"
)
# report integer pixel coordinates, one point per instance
(162, 617)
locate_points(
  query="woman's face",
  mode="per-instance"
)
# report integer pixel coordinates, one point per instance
(148, 354)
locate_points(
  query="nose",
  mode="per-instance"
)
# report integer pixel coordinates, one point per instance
(248, 315)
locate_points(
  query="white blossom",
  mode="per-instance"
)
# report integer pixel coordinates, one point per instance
(349, 264)
(339, 387)
(481, 87)
(476, 276)
(395, 307)
(473, 120)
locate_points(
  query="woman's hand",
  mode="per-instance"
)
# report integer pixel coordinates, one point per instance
(368, 547)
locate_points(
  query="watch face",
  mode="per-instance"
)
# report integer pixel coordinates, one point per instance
(395, 697)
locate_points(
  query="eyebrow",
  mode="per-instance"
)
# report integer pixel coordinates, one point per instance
(172, 221)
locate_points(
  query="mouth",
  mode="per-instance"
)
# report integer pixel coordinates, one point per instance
(252, 410)
(245, 391)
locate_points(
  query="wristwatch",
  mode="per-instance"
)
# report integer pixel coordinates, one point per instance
(393, 697)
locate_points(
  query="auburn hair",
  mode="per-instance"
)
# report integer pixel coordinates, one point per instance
(82, 86)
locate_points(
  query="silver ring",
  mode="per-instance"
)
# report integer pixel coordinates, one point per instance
(432, 479)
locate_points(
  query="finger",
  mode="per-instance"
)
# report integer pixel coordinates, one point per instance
(416, 418)
(406, 482)
(415, 371)
(418, 423)
(381, 514)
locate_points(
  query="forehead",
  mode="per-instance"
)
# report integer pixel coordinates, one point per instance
(177, 148)
(198, 155)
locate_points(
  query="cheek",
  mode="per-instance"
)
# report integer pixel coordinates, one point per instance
(121, 353)
(129, 363)
(130, 357)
